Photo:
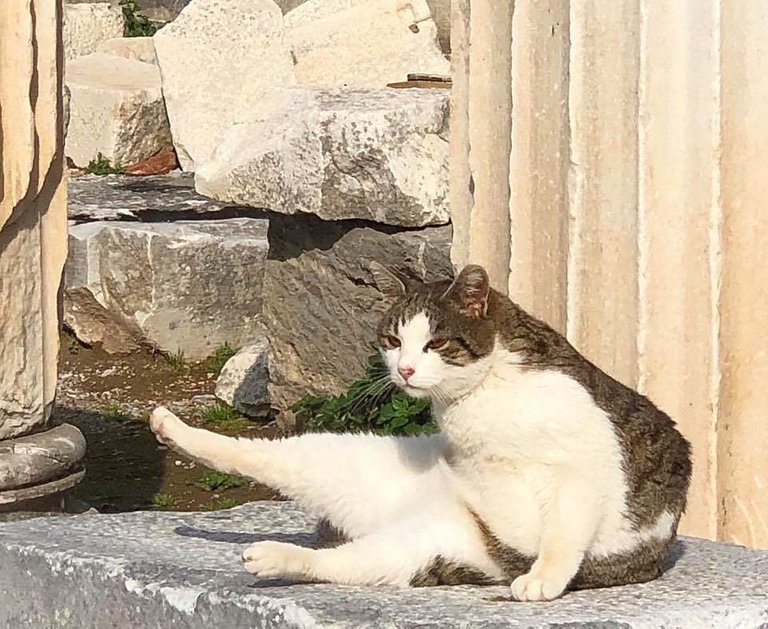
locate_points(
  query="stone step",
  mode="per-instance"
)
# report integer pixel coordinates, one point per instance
(153, 569)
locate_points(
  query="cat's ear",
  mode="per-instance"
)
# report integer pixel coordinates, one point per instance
(471, 289)
(388, 281)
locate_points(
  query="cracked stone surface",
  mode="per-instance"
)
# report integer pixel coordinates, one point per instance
(186, 286)
(100, 570)
(372, 154)
(151, 198)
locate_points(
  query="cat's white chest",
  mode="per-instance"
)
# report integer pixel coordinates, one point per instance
(512, 440)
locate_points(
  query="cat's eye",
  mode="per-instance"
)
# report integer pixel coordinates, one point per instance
(437, 344)
(389, 342)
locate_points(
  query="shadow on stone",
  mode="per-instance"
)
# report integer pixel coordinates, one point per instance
(300, 539)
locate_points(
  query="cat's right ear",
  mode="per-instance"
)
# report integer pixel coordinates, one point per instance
(387, 281)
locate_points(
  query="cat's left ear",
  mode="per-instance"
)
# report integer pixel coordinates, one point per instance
(387, 281)
(471, 289)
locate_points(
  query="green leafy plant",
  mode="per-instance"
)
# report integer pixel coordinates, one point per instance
(163, 501)
(136, 23)
(101, 166)
(218, 505)
(219, 481)
(372, 404)
(219, 358)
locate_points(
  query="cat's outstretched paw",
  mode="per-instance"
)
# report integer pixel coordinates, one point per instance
(537, 587)
(165, 425)
(276, 559)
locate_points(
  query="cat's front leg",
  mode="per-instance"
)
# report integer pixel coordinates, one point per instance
(570, 520)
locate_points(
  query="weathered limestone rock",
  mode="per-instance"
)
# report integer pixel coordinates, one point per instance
(380, 155)
(33, 245)
(369, 43)
(223, 63)
(321, 306)
(136, 48)
(188, 286)
(99, 570)
(116, 109)
(87, 25)
(93, 324)
(169, 197)
(243, 381)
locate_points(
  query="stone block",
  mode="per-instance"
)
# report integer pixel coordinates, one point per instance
(116, 109)
(187, 286)
(150, 569)
(34, 460)
(153, 198)
(243, 383)
(88, 25)
(379, 155)
(136, 48)
(222, 63)
(365, 43)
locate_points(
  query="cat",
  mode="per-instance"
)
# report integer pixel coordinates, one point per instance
(546, 475)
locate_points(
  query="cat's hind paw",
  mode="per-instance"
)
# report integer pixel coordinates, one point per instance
(537, 587)
(165, 425)
(276, 559)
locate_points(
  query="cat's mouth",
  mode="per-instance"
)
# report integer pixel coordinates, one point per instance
(415, 391)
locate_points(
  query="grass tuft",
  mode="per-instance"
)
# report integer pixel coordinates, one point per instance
(219, 481)
(101, 166)
(219, 358)
(163, 501)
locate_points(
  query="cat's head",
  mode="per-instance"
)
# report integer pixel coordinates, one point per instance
(436, 337)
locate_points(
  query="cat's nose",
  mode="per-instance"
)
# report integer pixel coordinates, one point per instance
(406, 372)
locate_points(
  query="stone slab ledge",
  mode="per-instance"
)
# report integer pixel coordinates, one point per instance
(154, 569)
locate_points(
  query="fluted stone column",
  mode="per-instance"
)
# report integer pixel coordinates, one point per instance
(624, 146)
(37, 459)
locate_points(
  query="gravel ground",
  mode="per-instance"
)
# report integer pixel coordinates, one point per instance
(109, 397)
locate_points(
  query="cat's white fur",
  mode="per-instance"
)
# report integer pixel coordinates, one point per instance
(531, 454)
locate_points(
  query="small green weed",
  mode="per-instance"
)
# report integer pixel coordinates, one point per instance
(163, 501)
(136, 23)
(372, 404)
(102, 166)
(218, 505)
(115, 412)
(219, 358)
(219, 481)
(73, 345)
(224, 416)
(176, 360)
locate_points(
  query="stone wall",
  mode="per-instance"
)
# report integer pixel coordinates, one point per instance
(33, 243)
(621, 201)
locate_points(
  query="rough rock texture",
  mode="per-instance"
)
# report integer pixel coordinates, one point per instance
(244, 380)
(380, 155)
(39, 458)
(152, 198)
(99, 571)
(93, 324)
(87, 25)
(367, 43)
(116, 109)
(136, 48)
(223, 63)
(188, 286)
(321, 306)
